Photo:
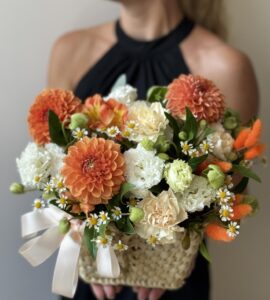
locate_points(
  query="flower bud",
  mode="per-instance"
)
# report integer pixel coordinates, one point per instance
(136, 214)
(163, 156)
(215, 176)
(232, 156)
(147, 144)
(230, 123)
(64, 226)
(182, 136)
(48, 196)
(16, 188)
(203, 124)
(78, 120)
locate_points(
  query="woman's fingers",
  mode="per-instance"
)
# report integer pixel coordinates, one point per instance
(98, 291)
(156, 294)
(110, 291)
(143, 293)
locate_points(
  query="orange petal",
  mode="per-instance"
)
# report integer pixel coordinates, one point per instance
(217, 233)
(254, 135)
(255, 151)
(240, 211)
(203, 166)
(238, 198)
(224, 166)
(239, 142)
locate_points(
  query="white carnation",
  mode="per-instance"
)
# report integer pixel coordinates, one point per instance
(57, 155)
(125, 94)
(198, 195)
(222, 141)
(39, 161)
(143, 169)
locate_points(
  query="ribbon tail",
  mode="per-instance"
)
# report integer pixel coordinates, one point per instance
(35, 221)
(39, 249)
(65, 277)
(107, 262)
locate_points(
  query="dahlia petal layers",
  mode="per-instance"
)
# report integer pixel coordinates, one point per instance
(134, 186)
(93, 171)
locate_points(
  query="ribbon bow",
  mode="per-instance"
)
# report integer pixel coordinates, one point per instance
(40, 248)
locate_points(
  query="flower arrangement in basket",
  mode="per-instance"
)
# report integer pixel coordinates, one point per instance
(128, 188)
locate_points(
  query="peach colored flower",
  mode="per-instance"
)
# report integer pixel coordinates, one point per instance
(93, 171)
(200, 95)
(60, 101)
(103, 114)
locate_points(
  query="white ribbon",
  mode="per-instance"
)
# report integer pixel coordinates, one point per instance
(39, 249)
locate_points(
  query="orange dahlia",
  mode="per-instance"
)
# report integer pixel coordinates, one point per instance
(200, 95)
(93, 171)
(103, 114)
(60, 101)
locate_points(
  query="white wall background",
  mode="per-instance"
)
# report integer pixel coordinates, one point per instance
(27, 31)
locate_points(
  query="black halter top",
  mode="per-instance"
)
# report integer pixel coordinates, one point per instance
(145, 63)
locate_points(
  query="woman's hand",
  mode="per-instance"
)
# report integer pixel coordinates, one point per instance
(148, 294)
(103, 292)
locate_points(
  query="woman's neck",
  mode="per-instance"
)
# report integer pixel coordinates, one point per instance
(149, 19)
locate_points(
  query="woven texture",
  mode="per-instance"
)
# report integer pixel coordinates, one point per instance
(165, 266)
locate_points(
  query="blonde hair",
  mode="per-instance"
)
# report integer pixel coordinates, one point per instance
(207, 13)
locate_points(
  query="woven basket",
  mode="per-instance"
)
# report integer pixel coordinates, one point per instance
(165, 266)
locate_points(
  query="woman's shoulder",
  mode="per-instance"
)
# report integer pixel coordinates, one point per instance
(208, 55)
(76, 51)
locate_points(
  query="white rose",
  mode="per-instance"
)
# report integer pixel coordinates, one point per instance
(162, 214)
(222, 141)
(125, 94)
(150, 120)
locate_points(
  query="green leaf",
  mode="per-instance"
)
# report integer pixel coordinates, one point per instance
(56, 129)
(116, 200)
(173, 123)
(125, 225)
(246, 172)
(191, 125)
(89, 236)
(241, 186)
(204, 252)
(195, 161)
(121, 81)
(156, 93)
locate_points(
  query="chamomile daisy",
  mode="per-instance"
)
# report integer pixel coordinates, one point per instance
(62, 202)
(92, 221)
(131, 125)
(153, 240)
(223, 195)
(104, 240)
(233, 229)
(116, 213)
(38, 180)
(103, 218)
(79, 133)
(38, 204)
(126, 133)
(226, 212)
(120, 246)
(133, 202)
(58, 184)
(48, 188)
(206, 146)
(112, 131)
(187, 148)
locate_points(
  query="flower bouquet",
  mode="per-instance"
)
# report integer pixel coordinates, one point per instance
(128, 189)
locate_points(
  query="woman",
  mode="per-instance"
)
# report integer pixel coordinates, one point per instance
(154, 42)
